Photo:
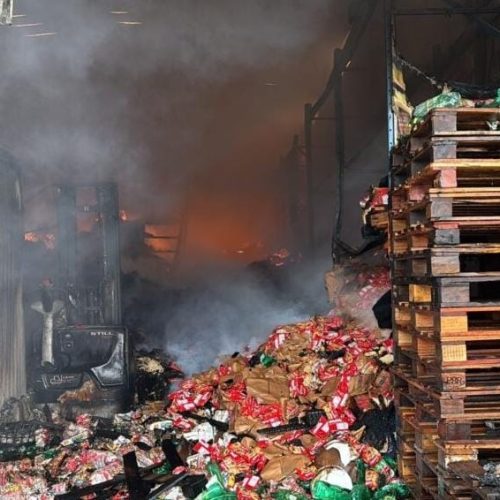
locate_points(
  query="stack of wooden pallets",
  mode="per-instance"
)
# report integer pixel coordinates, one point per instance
(445, 261)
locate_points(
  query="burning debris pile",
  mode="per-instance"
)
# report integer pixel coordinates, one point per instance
(307, 415)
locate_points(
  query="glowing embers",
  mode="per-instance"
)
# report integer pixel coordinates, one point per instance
(48, 239)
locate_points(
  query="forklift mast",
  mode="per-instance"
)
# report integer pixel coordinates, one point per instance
(95, 300)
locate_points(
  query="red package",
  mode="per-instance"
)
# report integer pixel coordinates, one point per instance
(379, 197)
(237, 392)
(297, 387)
(334, 322)
(180, 469)
(306, 474)
(258, 462)
(337, 425)
(202, 448)
(276, 339)
(287, 437)
(183, 424)
(326, 372)
(224, 370)
(322, 429)
(251, 482)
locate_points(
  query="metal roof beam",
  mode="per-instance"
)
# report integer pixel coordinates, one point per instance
(485, 26)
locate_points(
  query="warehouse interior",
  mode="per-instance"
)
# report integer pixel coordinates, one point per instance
(250, 249)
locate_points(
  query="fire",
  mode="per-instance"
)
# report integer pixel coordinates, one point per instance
(48, 239)
(160, 245)
(283, 257)
(124, 216)
(162, 239)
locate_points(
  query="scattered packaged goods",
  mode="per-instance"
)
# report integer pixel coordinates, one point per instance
(307, 415)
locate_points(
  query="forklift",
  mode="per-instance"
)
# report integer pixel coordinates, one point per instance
(83, 355)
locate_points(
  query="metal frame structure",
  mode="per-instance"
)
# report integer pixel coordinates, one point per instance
(342, 59)
(455, 7)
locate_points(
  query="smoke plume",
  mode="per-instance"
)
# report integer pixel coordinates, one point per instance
(198, 92)
(173, 100)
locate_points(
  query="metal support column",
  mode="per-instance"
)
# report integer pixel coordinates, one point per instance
(308, 119)
(339, 153)
(389, 53)
(342, 61)
(107, 196)
(67, 236)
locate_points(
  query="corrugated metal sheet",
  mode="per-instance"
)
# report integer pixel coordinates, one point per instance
(12, 345)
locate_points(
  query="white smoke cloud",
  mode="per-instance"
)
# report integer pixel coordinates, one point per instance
(231, 311)
(134, 102)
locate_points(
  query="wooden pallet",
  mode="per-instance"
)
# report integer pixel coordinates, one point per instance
(471, 472)
(447, 231)
(452, 355)
(486, 493)
(467, 450)
(416, 177)
(418, 459)
(434, 482)
(464, 290)
(416, 216)
(481, 145)
(406, 469)
(407, 238)
(379, 218)
(449, 354)
(476, 376)
(470, 376)
(458, 414)
(450, 121)
(447, 261)
(436, 149)
(449, 323)
(427, 475)
(417, 144)
(447, 203)
(421, 469)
